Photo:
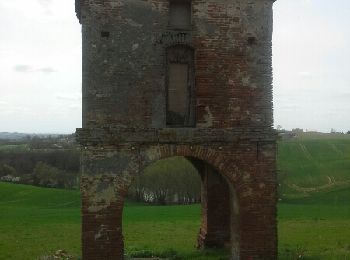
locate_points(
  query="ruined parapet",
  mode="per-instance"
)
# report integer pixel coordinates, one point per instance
(186, 78)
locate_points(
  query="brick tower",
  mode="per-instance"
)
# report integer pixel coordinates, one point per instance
(188, 78)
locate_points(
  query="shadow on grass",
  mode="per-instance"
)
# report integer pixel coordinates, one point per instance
(218, 254)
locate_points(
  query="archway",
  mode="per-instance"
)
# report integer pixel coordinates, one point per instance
(245, 217)
(219, 208)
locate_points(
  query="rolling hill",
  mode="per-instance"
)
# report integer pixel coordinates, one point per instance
(311, 164)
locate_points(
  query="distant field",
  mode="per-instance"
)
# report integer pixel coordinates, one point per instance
(309, 165)
(314, 213)
(13, 147)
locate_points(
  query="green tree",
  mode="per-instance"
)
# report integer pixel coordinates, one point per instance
(46, 175)
(172, 180)
(7, 170)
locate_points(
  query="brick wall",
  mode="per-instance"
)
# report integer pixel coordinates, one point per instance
(247, 170)
(232, 43)
(124, 117)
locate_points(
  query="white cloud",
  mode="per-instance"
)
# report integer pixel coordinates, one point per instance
(47, 70)
(46, 5)
(305, 74)
(310, 63)
(69, 97)
(75, 107)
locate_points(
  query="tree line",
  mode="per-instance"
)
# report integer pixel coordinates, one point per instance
(50, 163)
(169, 181)
(48, 168)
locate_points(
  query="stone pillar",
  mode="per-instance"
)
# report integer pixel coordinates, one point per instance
(102, 210)
(258, 200)
(215, 196)
(258, 239)
(106, 176)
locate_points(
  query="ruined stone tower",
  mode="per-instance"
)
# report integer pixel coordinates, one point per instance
(188, 78)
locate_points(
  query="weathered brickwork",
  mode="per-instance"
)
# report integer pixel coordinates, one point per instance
(127, 48)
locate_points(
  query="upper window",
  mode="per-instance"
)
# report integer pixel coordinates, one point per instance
(180, 87)
(178, 94)
(180, 14)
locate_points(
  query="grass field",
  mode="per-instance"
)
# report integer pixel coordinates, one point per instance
(309, 165)
(314, 214)
(314, 173)
(38, 221)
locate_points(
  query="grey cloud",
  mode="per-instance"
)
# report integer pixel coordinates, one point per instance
(22, 68)
(28, 68)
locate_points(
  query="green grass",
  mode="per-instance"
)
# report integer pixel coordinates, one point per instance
(38, 221)
(313, 219)
(35, 221)
(321, 164)
(316, 225)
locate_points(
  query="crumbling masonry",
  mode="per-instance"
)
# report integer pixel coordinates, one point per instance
(166, 78)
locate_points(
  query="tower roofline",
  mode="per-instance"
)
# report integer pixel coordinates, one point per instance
(78, 5)
(78, 9)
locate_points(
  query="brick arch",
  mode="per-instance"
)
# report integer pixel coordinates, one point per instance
(229, 198)
(107, 174)
(222, 163)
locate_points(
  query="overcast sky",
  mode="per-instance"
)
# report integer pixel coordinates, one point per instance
(40, 65)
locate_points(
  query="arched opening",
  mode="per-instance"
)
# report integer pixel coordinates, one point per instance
(170, 181)
(210, 221)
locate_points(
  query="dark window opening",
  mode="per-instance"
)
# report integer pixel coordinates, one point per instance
(177, 93)
(180, 14)
(180, 87)
(104, 34)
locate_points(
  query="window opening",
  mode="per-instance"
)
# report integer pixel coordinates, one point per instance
(178, 93)
(180, 87)
(104, 34)
(180, 14)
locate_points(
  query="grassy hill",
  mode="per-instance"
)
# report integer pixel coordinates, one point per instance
(312, 163)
